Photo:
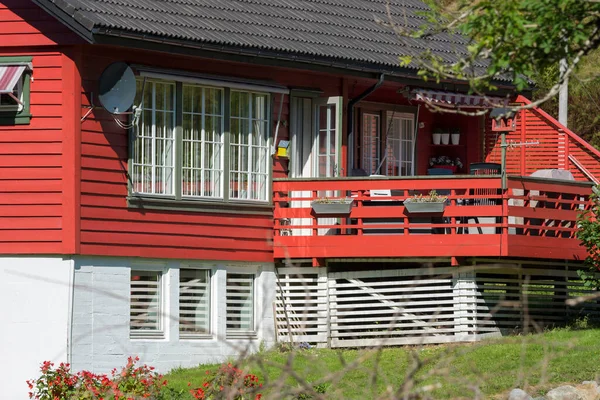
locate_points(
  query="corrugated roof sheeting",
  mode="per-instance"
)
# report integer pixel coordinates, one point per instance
(340, 29)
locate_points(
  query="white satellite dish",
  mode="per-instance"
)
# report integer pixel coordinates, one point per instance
(117, 88)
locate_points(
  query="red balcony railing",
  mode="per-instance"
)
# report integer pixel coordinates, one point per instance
(532, 218)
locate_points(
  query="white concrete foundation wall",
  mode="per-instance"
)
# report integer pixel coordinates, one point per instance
(35, 300)
(101, 338)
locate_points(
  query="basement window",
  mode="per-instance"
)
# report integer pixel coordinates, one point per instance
(194, 302)
(240, 305)
(15, 79)
(146, 304)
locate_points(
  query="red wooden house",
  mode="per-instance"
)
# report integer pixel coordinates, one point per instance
(179, 232)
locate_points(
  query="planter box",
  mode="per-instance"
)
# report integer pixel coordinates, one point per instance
(340, 207)
(424, 207)
(452, 168)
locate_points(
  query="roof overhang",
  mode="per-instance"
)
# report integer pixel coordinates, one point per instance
(408, 76)
(86, 28)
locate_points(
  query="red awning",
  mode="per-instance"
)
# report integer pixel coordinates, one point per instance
(449, 99)
(9, 76)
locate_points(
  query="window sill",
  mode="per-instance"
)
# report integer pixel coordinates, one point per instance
(8, 118)
(241, 335)
(149, 336)
(192, 337)
(216, 207)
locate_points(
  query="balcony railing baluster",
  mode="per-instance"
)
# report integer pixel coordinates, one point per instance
(533, 218)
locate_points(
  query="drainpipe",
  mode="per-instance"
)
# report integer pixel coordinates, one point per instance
(351, 105)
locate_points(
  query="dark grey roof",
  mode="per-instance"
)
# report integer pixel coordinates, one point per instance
(343, 30)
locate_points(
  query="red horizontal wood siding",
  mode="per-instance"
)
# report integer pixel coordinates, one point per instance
(38, 211)
(109, 227)
(24, 24)
(557, 147)
(524, 160)
(31, 164)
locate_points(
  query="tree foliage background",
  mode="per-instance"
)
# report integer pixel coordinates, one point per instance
(524, 41)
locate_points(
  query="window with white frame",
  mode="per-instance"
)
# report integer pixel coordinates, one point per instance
(146, 304)
(154, 152)
(203, 127)
(400, 144)
(388, 149)
(249, 145)
(240, 303)
(194, 302)
(326, 142)
(195, 142)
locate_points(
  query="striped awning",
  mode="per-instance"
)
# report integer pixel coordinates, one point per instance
(10, 75)
(450, 99)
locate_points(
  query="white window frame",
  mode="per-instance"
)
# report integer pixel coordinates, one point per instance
(405, 146)
(228, 86)
(239, 332)
(263, 147)
(158, 333)
(335, 104)
(154, 141)
(220, 168)
(211, 291)
(387, 159)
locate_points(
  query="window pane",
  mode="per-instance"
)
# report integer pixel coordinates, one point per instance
(259, 111)
(213, 101)
(240, 104)
(371, 142)
(400, 145)
(202, 157)
(145, 302)
(249, 150)
(194, 301)
(154, 144)
(188, 98)
(240, 303)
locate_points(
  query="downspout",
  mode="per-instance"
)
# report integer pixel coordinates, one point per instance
(351, 105)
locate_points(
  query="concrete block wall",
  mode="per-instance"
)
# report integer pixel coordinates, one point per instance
(101, 315)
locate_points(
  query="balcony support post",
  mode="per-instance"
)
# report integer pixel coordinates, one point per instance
(465, 301)
(504, 224)
(503, 146)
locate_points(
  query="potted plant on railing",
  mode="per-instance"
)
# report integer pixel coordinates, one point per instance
(327, 206)
(431, 203)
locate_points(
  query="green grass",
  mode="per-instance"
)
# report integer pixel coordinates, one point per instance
(493, 367)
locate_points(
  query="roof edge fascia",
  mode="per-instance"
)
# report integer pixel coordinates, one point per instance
(65, 13)
(272, 58)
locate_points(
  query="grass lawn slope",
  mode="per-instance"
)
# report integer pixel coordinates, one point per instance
(487, 369)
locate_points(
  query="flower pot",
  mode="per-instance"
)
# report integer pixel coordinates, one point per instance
(424, 207)
(437, 138)
(455, 138)
(445, 138)
(339, 207)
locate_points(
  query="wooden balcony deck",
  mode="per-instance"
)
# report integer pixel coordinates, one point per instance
(533, 218)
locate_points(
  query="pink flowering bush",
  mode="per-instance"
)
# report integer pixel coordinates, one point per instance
(131, 382)
(228, 382)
